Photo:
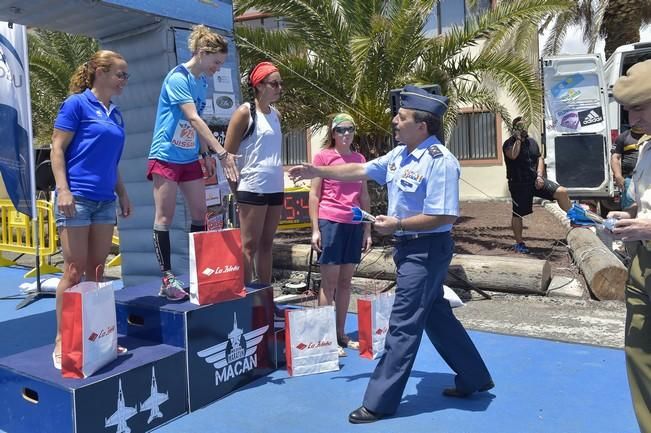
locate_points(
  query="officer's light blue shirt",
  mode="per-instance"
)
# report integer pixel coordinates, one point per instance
(175, 140)
(425, 181)
(93, 154)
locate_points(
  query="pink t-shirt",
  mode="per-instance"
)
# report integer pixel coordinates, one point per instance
(337, 197)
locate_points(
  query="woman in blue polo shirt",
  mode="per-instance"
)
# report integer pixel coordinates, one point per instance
(87, 144)
(180, 138)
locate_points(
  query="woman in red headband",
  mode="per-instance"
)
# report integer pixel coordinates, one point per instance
(254, 133)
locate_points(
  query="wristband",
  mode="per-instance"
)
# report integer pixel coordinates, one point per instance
(401, 229)
(223, 155)
(205, 155)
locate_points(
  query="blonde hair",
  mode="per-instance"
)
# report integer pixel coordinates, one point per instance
(203, 39)
(84, 76)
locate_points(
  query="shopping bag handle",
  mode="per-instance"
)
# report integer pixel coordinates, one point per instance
(99, 272)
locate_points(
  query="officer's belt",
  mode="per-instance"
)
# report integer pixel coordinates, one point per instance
(411, 237)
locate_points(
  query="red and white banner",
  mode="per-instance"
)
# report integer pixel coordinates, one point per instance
(88, 329)
(311, 341)
(216, 267)
(373, 313)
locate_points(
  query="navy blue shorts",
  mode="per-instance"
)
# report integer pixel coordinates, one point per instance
(341, 243)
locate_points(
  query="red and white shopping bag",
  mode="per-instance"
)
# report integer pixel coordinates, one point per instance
(88, 328)
(311, 341)
(216, 266)
(373, 314)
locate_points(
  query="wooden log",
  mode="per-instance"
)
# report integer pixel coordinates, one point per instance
(604, 273)
(502, 274)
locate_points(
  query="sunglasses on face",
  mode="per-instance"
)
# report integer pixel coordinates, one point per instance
(122, 75)
(274, 84)
(344, 129)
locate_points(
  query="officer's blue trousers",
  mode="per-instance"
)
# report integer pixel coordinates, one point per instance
(422, 265)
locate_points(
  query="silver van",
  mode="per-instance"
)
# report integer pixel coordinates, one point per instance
(621, 60)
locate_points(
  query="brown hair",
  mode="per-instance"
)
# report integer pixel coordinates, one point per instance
(203, 39)
(84, 76)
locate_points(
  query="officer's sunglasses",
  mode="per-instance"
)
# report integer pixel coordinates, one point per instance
(344, 129)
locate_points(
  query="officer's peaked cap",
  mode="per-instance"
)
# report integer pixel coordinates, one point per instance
(415, 98)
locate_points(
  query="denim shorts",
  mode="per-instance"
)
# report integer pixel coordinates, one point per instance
(341, 243)
(88, 212)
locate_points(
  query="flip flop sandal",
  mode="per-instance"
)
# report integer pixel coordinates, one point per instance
(56, 360)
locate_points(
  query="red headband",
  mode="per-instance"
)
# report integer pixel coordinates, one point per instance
(261, 71)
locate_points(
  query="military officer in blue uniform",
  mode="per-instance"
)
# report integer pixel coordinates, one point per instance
(422, 178)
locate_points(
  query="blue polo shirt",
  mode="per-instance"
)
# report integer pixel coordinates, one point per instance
(175, 140)
(425, 181)
(93, 155)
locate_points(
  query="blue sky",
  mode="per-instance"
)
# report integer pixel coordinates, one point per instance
(574, 45)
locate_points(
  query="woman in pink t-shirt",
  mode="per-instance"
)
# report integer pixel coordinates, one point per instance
(334, 235)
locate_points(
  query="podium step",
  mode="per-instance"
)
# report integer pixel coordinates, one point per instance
(135, 393)
(228, 344)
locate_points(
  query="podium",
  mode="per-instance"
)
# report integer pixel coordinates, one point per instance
(137, 392)
(181, 357)
(227, 345)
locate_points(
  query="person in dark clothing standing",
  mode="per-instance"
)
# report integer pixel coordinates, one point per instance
(622, 161)
(525, 171)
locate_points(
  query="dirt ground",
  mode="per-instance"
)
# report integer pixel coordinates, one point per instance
(485, 228)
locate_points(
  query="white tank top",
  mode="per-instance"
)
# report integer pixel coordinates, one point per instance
(261, 165)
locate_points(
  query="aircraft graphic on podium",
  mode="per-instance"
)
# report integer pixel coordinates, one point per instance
(154, 400)
(239, 359)
(121, 415)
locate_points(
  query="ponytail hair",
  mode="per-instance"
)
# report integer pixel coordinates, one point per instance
(84, 76)
(204, 39)
(252, 110)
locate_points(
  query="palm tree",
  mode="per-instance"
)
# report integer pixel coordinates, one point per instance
(53, 58)
(348, 54)
(618, 22)
(622, 22)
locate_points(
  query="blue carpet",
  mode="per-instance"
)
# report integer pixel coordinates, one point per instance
(10, 279)
(541, 387)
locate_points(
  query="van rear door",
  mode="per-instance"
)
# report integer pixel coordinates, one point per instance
(576, 130)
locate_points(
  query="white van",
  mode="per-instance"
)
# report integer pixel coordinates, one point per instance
(622, 59)
(576, 130)
(582, 119)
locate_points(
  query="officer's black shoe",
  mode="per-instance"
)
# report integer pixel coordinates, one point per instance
(362, 415)
(453, 392)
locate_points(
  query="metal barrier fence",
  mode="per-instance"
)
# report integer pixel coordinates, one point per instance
(17, 236)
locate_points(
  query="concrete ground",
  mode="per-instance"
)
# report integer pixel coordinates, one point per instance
(587, 321)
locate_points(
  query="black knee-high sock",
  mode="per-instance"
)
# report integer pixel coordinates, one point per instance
(162, 249)
(197, 228)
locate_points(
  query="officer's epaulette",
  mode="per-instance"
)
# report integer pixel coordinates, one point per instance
(434, 151)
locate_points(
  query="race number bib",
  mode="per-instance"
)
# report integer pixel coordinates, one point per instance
(184, 135)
